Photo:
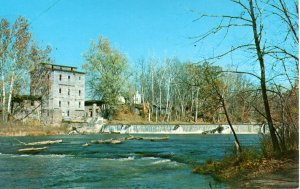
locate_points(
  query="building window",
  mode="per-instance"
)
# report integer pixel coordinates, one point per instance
(59, 103)
(59, 90)
(68, 103)
(69, 77)
(79, 92)
(60, 77)
(79, 78)
(68, 91)
(79, 105)
(68, 113)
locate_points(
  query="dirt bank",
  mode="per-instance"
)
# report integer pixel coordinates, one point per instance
(283, 173)
(287, 176)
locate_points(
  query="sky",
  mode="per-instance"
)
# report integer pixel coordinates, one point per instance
(137, 28)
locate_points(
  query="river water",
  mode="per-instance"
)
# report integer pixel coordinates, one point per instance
(132, 164)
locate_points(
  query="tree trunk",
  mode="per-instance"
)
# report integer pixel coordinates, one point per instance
(160, 99)
(149, 113)
(236, 141)
(192, 101)
(156, 112)
(167, 100)
(3, 94)
(142, 95)
(196, 111)
(10, 93)
(169, 116)
(182, 110)
(152, 89)
(259, 52)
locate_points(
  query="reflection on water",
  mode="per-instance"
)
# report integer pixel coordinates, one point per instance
(132, 164)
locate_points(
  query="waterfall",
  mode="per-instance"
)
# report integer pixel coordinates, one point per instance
(181, 129)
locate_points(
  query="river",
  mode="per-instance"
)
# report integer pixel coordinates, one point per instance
(132, 164)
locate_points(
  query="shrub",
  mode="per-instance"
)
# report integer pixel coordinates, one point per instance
(266, 146)
(231, 166)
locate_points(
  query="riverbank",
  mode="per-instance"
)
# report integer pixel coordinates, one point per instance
(287, 176)
(31, 129)
(248, 170)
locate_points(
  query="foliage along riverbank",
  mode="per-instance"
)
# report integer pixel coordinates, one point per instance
(255, 169)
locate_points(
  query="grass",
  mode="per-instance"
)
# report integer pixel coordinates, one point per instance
(30, 129)
(249, 164)
(231, 166)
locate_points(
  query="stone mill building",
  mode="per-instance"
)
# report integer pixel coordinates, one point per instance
(62, 90)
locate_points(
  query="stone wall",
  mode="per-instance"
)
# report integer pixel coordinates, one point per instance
(65, 100)
(66, 94)
(27, 109)
(52, 117)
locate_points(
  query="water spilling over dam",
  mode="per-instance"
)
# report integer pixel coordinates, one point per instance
(182, 129)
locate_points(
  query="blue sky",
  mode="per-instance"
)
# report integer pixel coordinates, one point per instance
(138, 28)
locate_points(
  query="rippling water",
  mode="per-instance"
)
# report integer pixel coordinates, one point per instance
(132, 164)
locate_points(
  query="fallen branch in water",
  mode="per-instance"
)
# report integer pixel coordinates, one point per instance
(31, 149)
(47, 142)
(110, 141)
(147, 138)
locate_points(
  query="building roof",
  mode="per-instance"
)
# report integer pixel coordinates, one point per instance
(63, 68)
(59, 65)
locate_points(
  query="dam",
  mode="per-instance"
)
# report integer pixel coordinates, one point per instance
(182, 129)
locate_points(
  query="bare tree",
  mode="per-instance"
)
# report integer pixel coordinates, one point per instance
(257, 35)
(14, 58)
(210, 75)
(5, 35)
(253, 13)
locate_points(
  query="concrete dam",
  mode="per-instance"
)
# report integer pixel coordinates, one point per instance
(183, 129)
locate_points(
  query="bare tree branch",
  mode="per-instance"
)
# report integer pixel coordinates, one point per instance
(228, 52)
(242, 72)
(223, 16)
